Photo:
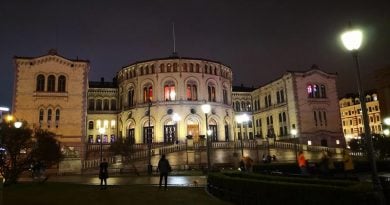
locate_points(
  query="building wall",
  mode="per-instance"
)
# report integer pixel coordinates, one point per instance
(156, 73)
(69, 126)
(351, 116)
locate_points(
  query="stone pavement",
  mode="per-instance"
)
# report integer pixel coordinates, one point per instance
(184, 181)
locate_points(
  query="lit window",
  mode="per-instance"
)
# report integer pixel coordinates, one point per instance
(105, 124)
(309, 142)
(98, 124)
(148, 93)
(169, 91)
(112, 124)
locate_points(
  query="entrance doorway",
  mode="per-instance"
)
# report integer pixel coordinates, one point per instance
(194, 131)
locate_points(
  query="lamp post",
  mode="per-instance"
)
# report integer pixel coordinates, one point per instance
(386, 121)
(242, 119)
(206, 108)
(149, 140)
(294, 133)
(102, 130)
(352, 40)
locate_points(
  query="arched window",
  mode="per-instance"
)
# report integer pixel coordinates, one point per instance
(41, 113)
(225, 95)
(130, 97)
(185, 67)
(243, 106)
(91, 104)
(98, 104)
(174, 67)
(148, 93)
(205, 69)
(113, 104)
(212, 93)
(57, 115)
(51, 82)
(90, 125)
(197, 68)
(323, 91)
(169, 91)
(40, 83)
(310, 92)
(106, 104)
(49, 114)
(169, 68)
(316, 91)
(162, 68)
(61, 83)
(192, 91)
(238, 106)
(191, 67)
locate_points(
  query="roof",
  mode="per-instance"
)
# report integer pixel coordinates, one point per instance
(51, 52)
(241, 88)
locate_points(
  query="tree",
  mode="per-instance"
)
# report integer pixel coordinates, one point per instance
(380, 142)
(16, 155)
(19, 150)
(47, 149)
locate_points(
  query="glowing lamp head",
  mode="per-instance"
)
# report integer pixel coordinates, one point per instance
(18, 124)
(176, 117)
(387, 121)
(294, 132)
(209, 132)
(102, 130)
(206, 108)
(352, 39)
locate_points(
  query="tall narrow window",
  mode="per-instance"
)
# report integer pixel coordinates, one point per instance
(106, 104)
(61, 83)
(281, 95)
(40, 83)
(113, 104)
(90, 125)
(41, 113)
(225, 95)
(325, 120)
(310, 92)
(148, 93)
(169, 91)
(315, 118)
(320, 117)
(57, 115)
(211, 93)
(99, 104)
(91, 104)
(49, 114)
(51, 82)
(130, 97)
(323, 91)
(316, 91)
(192, 91)
(237, 106)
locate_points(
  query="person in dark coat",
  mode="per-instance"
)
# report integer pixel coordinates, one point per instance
(103, 174)
(164, 168)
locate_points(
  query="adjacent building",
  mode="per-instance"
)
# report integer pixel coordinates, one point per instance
(351, 115)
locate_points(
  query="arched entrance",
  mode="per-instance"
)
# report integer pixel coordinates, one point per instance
(193, 129)
(148, 132)
(214, 130)
(170, 131)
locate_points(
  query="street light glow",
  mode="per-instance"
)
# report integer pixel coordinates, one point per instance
(18, 124)
(352, 39)
(176, 117)
(206, 108)
(294, 132)
(387, 121)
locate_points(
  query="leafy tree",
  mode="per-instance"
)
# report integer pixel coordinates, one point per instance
(380, 142)
(122, 146)
(16, 154)
(19, 150)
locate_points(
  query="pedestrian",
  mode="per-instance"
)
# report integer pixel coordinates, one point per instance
(103, 174)
(324, 163)
(348, 164)
(302, 163)
(274, 158)
(164, 168)
(331, 167)
(248, 163)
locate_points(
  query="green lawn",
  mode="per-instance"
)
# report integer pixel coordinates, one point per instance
(64, 193)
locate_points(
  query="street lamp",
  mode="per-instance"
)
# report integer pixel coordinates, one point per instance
(242, 119)
(149, 140)
(352, 40)
(206, 108)
(102, 130)
(176, 118)
(294, 133)
(386, 131)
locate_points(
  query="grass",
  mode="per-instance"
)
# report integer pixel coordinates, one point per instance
(66, 193)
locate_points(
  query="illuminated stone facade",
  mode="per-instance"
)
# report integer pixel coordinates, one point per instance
(50, 93)
(305, 101)
(351, 115)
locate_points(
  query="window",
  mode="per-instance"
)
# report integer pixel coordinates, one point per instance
(185, 67)
(105, 124)
(49, 115)
(113, 104)
(211, 93)
(40, 83)
(51, 82)
(106, 104)
(130, 97)
(98, 104)
(148, 93)
(225, 95)
(309, 89)
(61, 83)
(169, 91)
(316, 91)
(315, 118)
(91, 104)
(162, 68)
(237, 106)
(174, 67)
(113, 124)
(41, 113)
(192, 91)
(98, 124)
(57, 115)
(323, 91)
(325, 120)
(90, 125)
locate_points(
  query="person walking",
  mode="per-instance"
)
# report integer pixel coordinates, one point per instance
(302, 163)
(164, 168)
(103, 174)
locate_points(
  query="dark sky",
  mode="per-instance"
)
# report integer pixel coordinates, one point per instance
(259, 39)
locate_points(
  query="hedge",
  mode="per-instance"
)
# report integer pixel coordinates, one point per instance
(241, 188)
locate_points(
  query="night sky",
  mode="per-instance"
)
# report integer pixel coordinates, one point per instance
(259, 39)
